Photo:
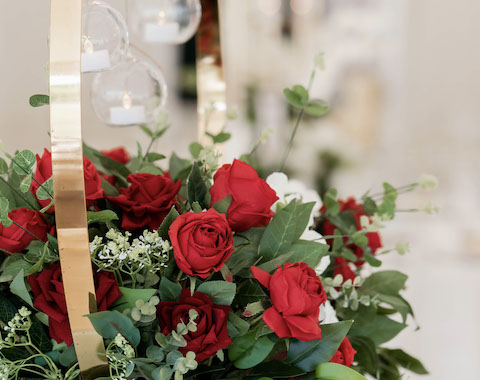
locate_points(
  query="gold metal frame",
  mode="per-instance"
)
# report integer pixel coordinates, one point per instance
(68, 181)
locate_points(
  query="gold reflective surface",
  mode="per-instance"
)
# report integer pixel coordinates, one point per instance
(68, 181)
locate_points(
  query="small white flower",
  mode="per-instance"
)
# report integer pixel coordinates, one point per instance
(402, 248)
(427, 182)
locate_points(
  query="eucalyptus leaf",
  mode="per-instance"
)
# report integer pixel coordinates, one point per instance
(131, 296)
(23, 162)
(109, 323)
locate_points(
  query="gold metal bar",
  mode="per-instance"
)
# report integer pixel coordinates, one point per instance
(211, 90)
(68, 181)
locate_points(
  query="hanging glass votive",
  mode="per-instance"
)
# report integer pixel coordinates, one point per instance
(133, 93)
(165, 21)
(104, 37)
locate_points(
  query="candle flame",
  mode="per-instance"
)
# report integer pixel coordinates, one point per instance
(162, 16)
(88, 46)
(126, 100)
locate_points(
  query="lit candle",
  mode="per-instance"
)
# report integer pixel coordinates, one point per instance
(127, 114)
(162, 31)
(94, 60)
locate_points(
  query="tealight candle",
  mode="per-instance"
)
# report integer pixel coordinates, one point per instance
(162, 31)
(92, 60)
(127, 114)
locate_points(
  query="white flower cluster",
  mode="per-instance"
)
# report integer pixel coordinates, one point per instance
(5, 366)
(19, 323)
(120, 365)
(149, 251)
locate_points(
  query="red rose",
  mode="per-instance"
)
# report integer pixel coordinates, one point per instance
(14, 239)
(211, 334)
(344, 354)
(146, 201)
(118, 154)
(93, 183)
(251, 195)
(342, 266)
(201, 242)
(296, 294)
(49, 297)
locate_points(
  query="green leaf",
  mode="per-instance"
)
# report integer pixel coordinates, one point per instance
(389, 192)
(406, 361)
(39, 100)
(366, 355)
(309, 252)
(146, 130)
(11, 271)
(372, 260)
(162, 373)
(26, 183)
(155, 353)
(169, 290)
(380, 329)
(334, 371)
(110, 190)
(18, 287)
(130, 296)
(7, 310)
(240, 324)
(196, 207)
(220, 138)
(369, 206)
(167, 222)
(39, 336)
(109, 323)
(96, 373)
(177, 165)
(280, 233)
(16, 197)
(330, 201)
(103, 216)
(68, 357)
(45, 191)
(222, 205)
(276, 369)
(118, 169)
(247, 352)
(152, 157)
(220, 292)
(195, 149)
(38, 254)
(385, 282)
(302, 217)
(294, 99)
(4, 209)
(196, 187)
(245, 252)
(249, 293)
(23, 162)
(307, 355)
(301, 92)
(3, 166)
(271, 265)
(316, 107)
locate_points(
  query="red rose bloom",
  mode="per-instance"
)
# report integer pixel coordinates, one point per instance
(211, 334)
(14, 239)
(296, 294)
(201, 242)
(93, 183)
(118, 154)
(251, 195)
(342, 266)
(345, 354)
(49, 297)
(146, 201)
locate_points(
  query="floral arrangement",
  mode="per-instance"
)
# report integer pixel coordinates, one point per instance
(202, 271)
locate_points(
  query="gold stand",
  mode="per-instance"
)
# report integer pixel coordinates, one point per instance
(68, 181)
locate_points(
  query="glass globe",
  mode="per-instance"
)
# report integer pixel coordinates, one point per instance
(133, 93)
(165, 21)
(104, 37)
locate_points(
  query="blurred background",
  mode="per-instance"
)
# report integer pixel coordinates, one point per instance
(403, 81)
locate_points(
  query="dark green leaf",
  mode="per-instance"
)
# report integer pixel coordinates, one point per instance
(39, 100)
(222, 205)
(247, 352)
(220, 292)
(109, 323)
(196, 187)
(103, 216)
(385, 282)
(309, 252)
(307, 355)
(407, 361)
(372, 260)
(369, 206)
(249, 293)
(177, 165)
(276, 369)
(380, 330)
(167, 222)
(68, 357)
(366, 355)
(169, 290)
(241, 325)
